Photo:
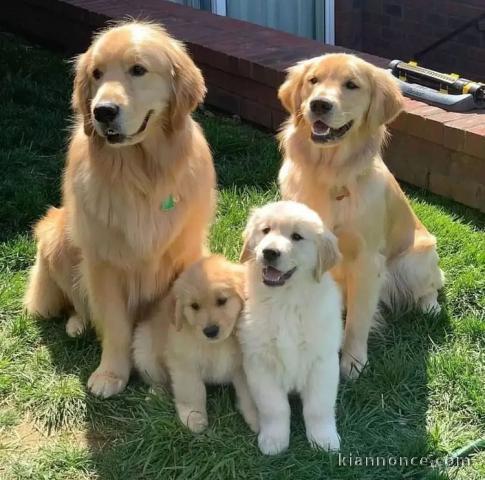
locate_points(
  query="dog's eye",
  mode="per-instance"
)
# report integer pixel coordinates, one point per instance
(296, 236)
(266, 230)
(138, 70)
(195, 306)
(221, 301)
(313, 80)
(351, 85)
(97, 73)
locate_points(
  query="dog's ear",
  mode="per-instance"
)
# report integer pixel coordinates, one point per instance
(290, 91)
(179, 317)
(188, 87)
(240, 283)
(386, 99)
(327, 254)
(81, 101)
(247, 251)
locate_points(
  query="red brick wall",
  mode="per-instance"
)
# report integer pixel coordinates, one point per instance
(400, 28)
(348, 23)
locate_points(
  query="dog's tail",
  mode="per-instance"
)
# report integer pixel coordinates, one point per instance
(413, 279)
(43, 296)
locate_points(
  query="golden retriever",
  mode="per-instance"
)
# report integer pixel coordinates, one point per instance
(292, 329)
(339, 106)
(139, 185)
(192, 334)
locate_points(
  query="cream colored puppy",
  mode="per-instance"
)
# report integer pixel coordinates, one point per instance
(192, 335)
(292, 330)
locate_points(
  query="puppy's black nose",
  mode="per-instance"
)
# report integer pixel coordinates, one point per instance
(211, 331)
(320, 106)
(270, 255)
(106, 112)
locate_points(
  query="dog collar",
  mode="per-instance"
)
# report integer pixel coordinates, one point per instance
(341, 193)
(168, 203)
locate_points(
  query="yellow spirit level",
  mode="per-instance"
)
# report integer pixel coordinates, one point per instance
(447, 91)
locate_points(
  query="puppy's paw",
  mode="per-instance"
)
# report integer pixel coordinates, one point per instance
(252, 419)
(105, 383)
(352, 364)
(324, 436)
(272, 442)
(75, 326)
(429, 304)
(195, 421)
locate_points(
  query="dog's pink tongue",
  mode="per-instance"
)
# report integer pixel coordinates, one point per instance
(272, 274)
(320, 127)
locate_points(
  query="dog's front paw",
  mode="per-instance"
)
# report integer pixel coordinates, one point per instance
(252, 419)
(429, 304)
(75, 326)
(250, 415)
(105, 383)
(272, 442)
(352, 363)
(195, 421)
(324, 436)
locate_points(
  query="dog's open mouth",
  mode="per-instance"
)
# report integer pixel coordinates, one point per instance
(114, 136)
(323, 133)
(274, 277)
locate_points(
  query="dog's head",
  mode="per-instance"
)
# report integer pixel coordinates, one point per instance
(209, 297)
(135, 76)
(288, 242)
(334, 95)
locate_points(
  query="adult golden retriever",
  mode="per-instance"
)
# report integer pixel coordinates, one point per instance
(139, 186)
(339, 105)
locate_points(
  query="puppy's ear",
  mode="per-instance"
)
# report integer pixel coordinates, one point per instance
(246, 252)
(240, 284)
(327, 254)
(386, 99)
(290, 91)
(81, 101)
(179, 317)
(188, 89)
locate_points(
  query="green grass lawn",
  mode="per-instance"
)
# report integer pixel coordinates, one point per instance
(423, 395)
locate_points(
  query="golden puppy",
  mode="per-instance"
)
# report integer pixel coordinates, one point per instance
(339, 105)
(139, 185)
(192, 334)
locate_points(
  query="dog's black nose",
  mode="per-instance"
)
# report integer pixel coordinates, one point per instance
(320, 106)
(211, 331)
(270, 255)
(106, 112)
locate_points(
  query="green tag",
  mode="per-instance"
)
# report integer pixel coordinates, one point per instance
(168, 203)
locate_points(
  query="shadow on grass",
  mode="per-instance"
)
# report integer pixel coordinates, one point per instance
(456, 211)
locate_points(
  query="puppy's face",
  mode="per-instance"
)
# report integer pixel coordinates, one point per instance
(288, 242)
(337, 94)
(128, 80)
(209, 298)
